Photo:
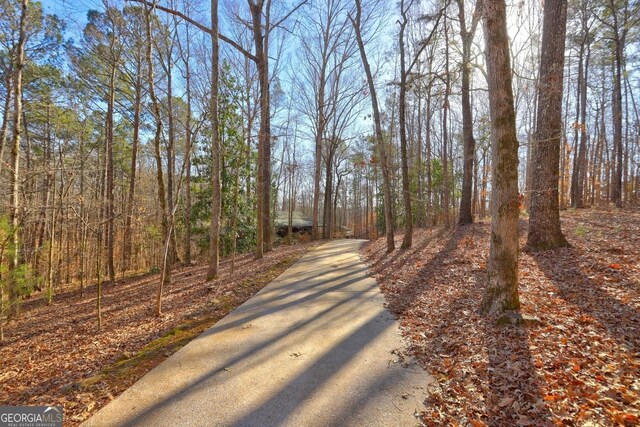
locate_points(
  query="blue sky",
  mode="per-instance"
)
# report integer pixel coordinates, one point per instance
(74, 12)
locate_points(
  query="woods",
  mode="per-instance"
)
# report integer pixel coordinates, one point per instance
(150, 149)
(137, 141)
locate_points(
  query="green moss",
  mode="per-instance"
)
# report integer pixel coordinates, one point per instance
(87, 382)
(581, 230)
(225, 302)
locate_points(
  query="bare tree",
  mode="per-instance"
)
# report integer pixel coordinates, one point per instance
(185, 53)
(137, 58)
(166, 228)
(261, 31)
(324, 34)
(624, 16)
(405, 72)
(356, 21)
(113, 19)
(578, 177)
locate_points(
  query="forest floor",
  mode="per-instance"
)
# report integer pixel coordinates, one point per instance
(579, 366)
(54, 355)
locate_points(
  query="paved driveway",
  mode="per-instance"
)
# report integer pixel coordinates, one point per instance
(313, 348)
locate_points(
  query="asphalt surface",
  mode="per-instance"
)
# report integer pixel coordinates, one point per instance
(313, 348)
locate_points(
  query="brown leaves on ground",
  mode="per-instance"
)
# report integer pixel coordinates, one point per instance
(53, 354)
(580, 367)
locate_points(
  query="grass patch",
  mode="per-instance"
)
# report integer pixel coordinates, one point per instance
(581, 230)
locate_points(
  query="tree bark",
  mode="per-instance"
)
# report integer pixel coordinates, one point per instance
(15, 153)
(328, 192)
(263, 229)
(445, 131)
(577, 125)
(406, 191)
(581, 170)
(171, 155)
(188, 144)
(544, 218)
(110, 211)
(317, 176)
(502, 278)
(616, 188)
(428, 159)
(466, 215)
(216, 195)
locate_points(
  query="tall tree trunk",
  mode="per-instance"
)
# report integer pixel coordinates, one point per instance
(616, 188)
(127, 238)
(188, 143)
(216, 196)
(265, 108)
(234, 222)
(384, 161)
(334, 221)
(466, 216)
(420, 206)
(99, 274)
(476, 176)
(41, 224)
(603, 181)
(171, 157)
(82, 219)
(428, 159)
(15, 153)
(445, 130)
(263, 229)
(109, 143)
(249, 128)
(502, 278)
(582, 148)
(544, 219)
(52, 238)
(166, 274)
(328, 192)
(319, 143)
(577, 128)
(406, 190)
(317, 176)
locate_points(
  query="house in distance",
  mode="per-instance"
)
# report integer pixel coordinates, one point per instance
(302, 224)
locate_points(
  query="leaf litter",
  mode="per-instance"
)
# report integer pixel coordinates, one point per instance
(578, 366)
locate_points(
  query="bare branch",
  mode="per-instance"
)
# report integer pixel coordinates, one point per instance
(284, 18)
(425, 42)
(199, 26)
